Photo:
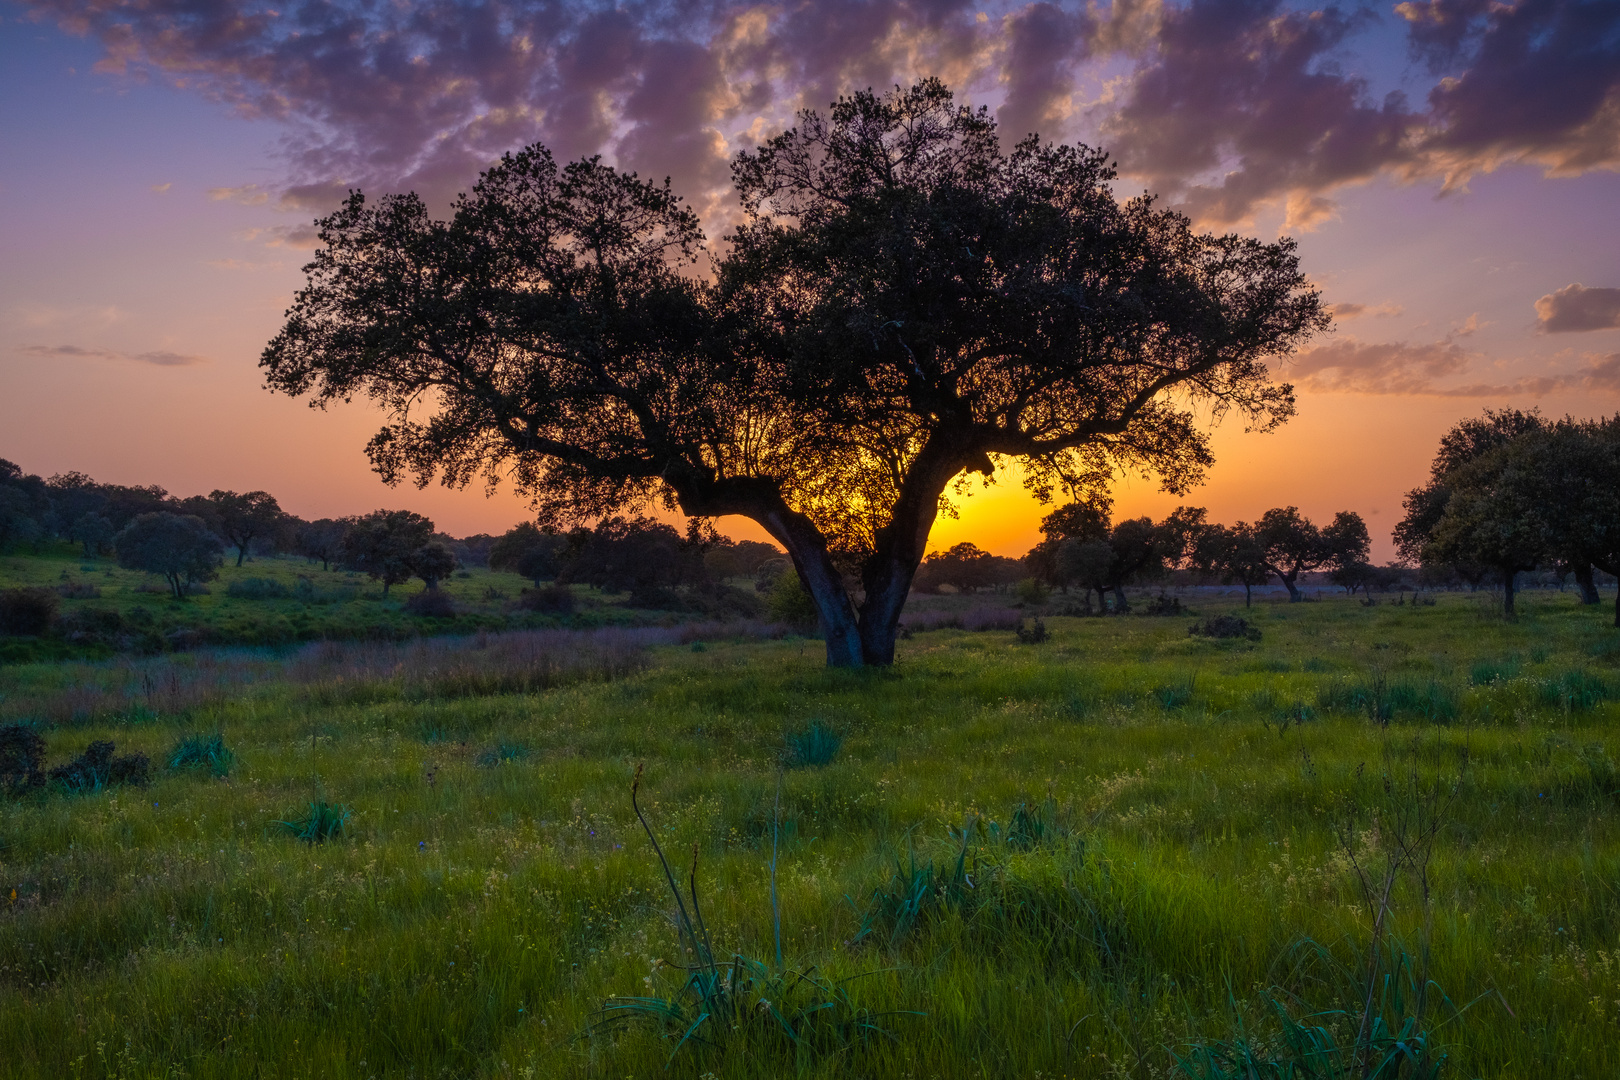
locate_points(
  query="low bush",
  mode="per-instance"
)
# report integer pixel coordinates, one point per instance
(202, 752)
(1034, 633)
(22, 758)
(1225, 626)
(26, 611)
(814, 747)
(431, 604)
(553, 599)
(78, 590)
(1574, 691)
(98, 767)
(324, 821)
(1164, 604)
(257, 589)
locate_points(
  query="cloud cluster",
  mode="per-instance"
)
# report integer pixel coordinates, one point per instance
(1224, 105)
(159, 358)
(1575, 307)
(1348, 366)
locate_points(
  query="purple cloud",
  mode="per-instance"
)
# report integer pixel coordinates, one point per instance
(1223, 105)
(159, 358)
(1575, 307)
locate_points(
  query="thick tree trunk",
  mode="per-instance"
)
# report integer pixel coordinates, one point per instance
(241, 552)
(1121, 605)
(1588, 587)
(1507, 591)
(1248, 595)
(1294, 595)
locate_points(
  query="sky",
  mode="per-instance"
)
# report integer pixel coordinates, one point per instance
(1449, 168)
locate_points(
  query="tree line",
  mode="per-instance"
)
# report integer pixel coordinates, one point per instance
(184, 540)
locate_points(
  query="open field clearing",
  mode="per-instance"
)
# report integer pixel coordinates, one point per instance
(1085, 857)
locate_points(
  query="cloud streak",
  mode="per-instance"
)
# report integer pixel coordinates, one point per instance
(1348, 366)
(158, 358)
(1226, 106)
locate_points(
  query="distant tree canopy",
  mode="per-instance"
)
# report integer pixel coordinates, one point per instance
(433, 562)
(1512, 491)
(1083, 547)
(384, 544)
(242, 518)
(905, 303)
(531, 551)
(636, 555)
(178, 546)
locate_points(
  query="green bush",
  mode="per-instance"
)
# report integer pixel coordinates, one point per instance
(202, 752)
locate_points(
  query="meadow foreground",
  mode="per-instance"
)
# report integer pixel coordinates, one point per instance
(1091, 856)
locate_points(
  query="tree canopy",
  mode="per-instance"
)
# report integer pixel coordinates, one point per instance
(905, 303)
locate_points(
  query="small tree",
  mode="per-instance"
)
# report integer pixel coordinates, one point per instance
(965, 567)
(243, 518)
(1235, 555)
(1495, 516)
(178, 546)
(94, 531)
(433, 563)
(533, 552)
(384, 543)
(320, 540)
(1292, 545)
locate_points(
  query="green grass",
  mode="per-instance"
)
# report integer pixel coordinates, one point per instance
(276, 600)
(1093, 858)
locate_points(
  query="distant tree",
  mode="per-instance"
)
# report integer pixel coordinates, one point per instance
(531, 551)
(1495, 515)
(74, 495)
(1077, 522)
(902, 303)
(1571, 471)
(1236, 555)
(1088, 564)
(1292, 545)
(383, 543)
(965, 567)
(320, 540)
(471, 550)
(178, 546)
(125, 504)
(1426, 505)
(95, 531)
(244, 517)
(638, 555)
(737, 559)
(18, 523)
(433, 562)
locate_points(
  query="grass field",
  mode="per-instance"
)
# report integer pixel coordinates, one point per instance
(1079, 858)
(276, 600)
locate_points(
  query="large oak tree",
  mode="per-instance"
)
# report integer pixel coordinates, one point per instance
(904, 304)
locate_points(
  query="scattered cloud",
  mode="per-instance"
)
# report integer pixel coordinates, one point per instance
(1349, 366)
(247, 194)
(161, 188)
(1575, 307)
(1355, 311)
(159, 358)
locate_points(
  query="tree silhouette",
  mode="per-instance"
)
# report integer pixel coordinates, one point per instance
(242, 518)
(384, 544)
(905, 304)
(178, 546)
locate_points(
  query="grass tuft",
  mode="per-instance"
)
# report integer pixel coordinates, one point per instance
(202, 752)
(324, 821)
(814, 747)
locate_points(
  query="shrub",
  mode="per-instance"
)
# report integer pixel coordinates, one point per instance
(202, 752)
(1164, 605)
(1487, 672)
(78, 590)
(550, 599)
(257, 589)
(1225, 626)
(432, 604)
(1033, 634)
(814, 747)
(97, 768)
(324, 821)
(22, 758)
(26, 611)
(790, 603)
(1031, 591)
